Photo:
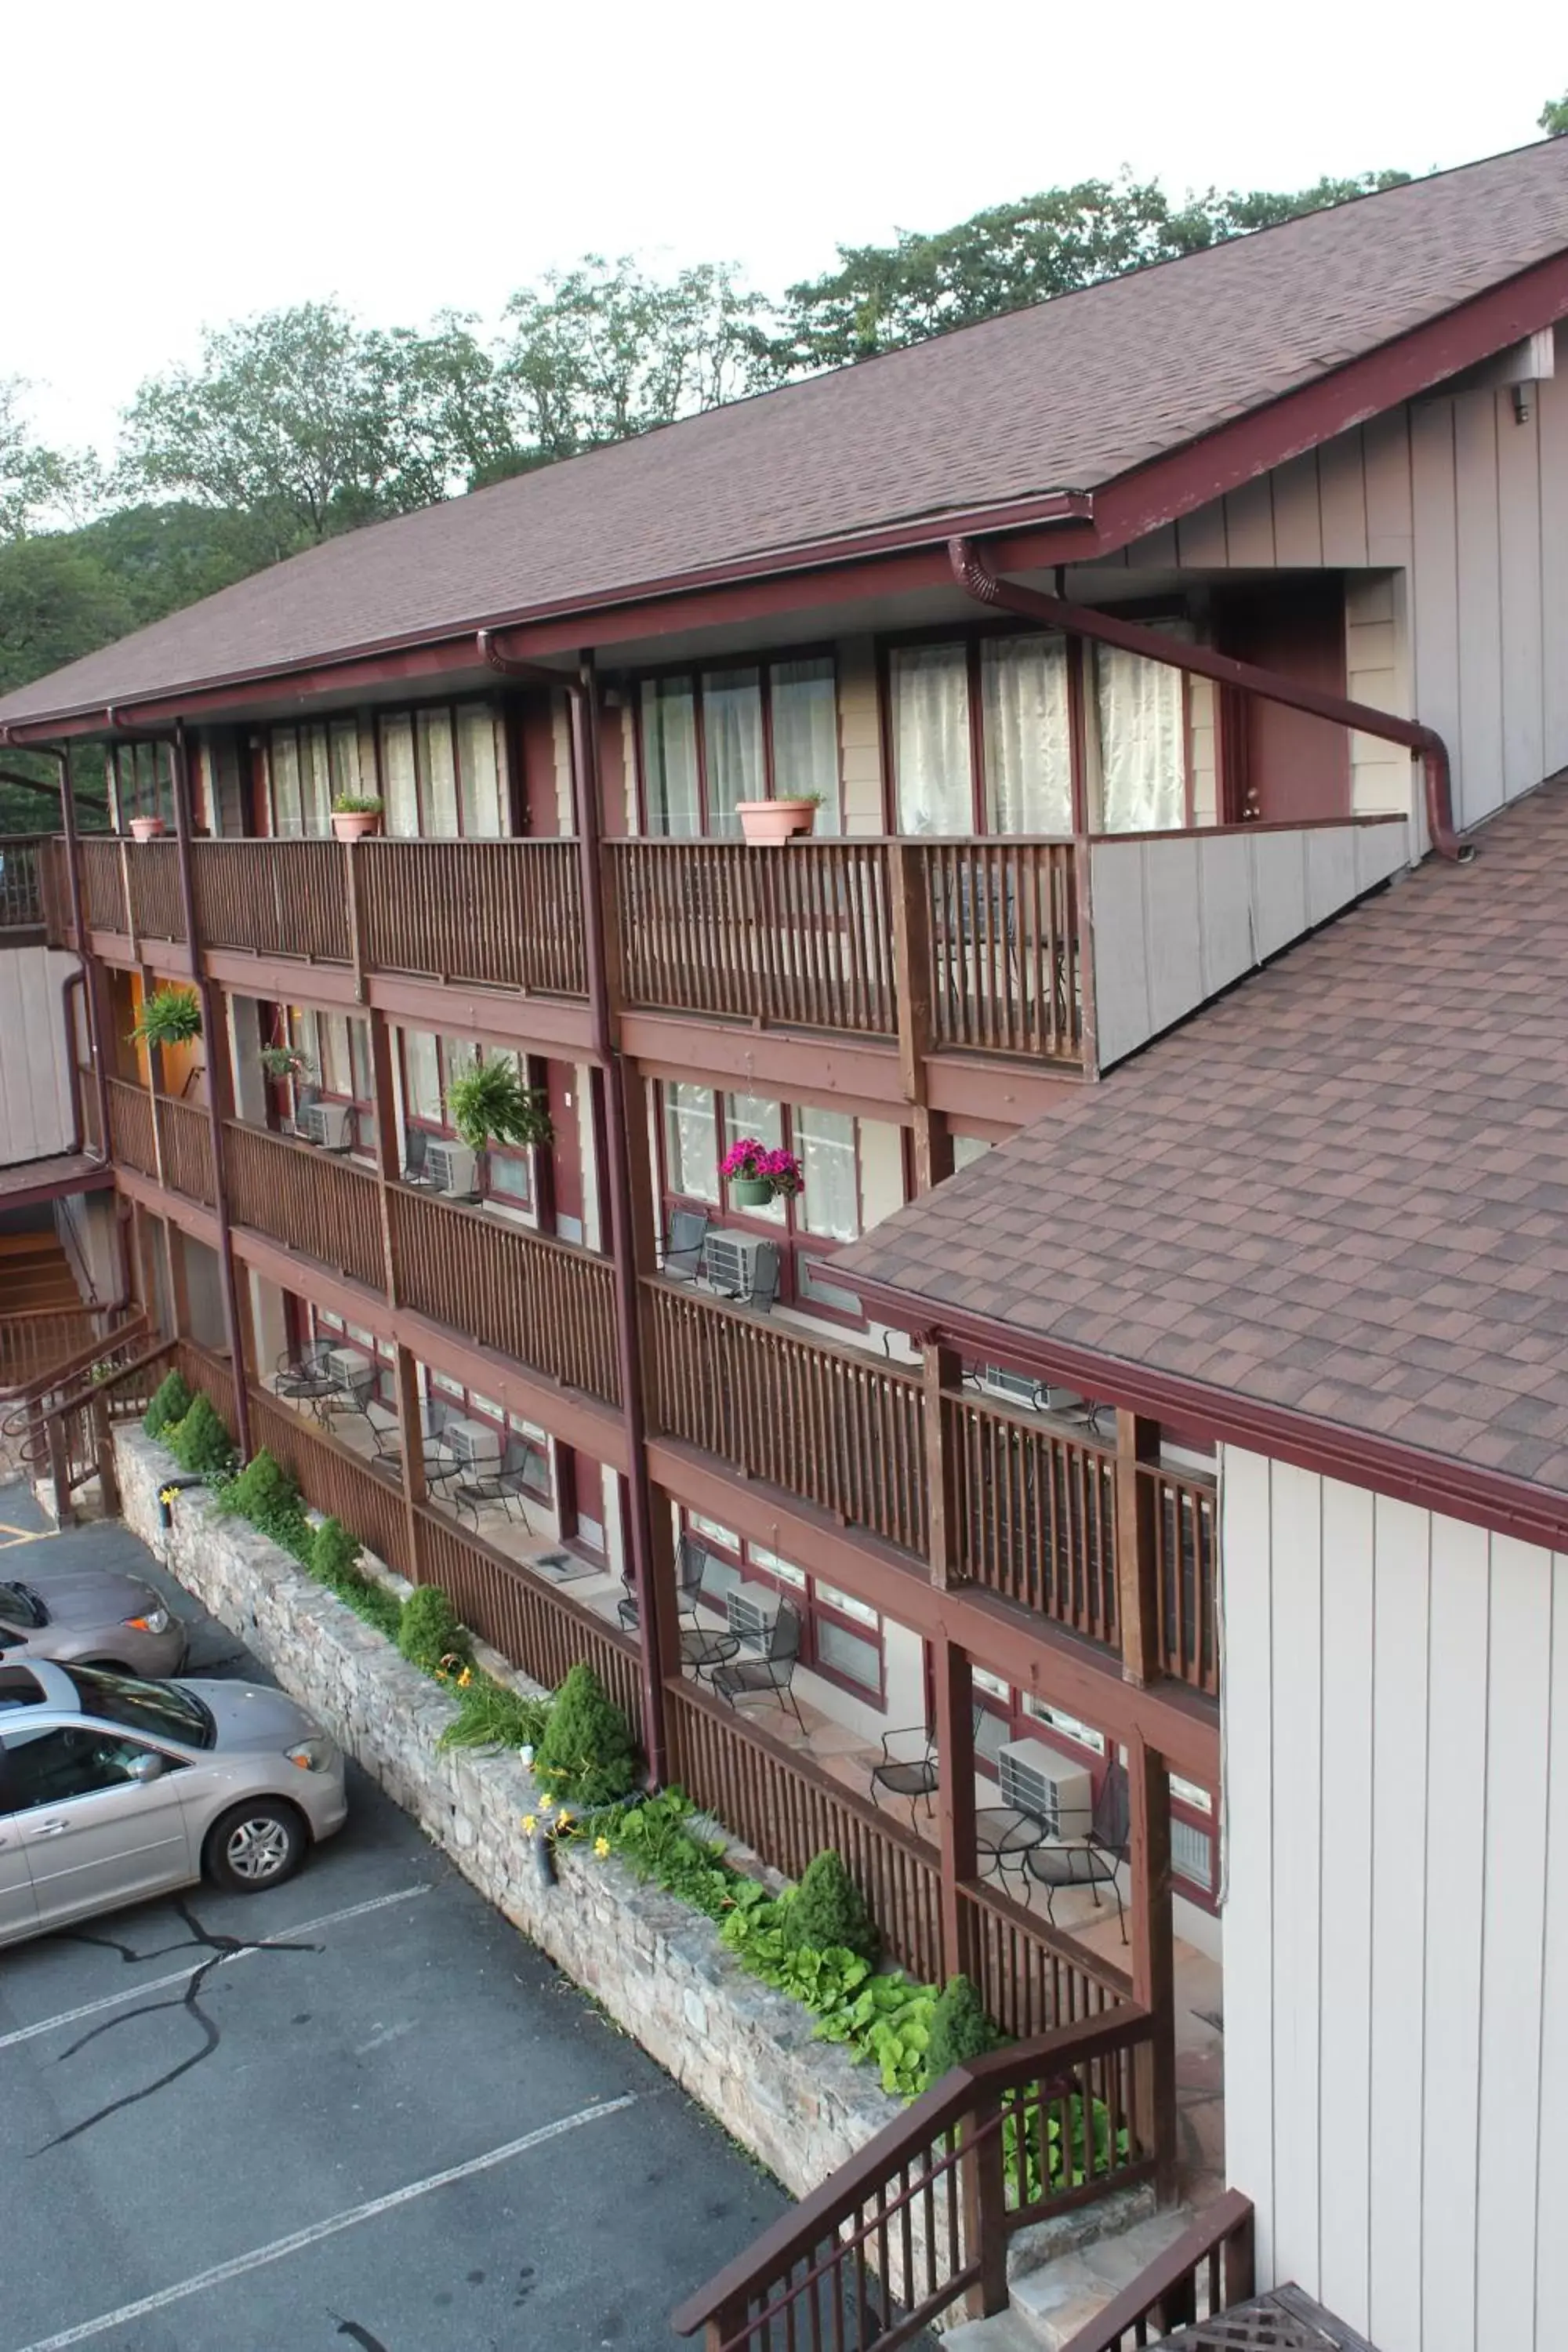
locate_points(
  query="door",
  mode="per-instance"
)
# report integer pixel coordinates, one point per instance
(94, 1835)
(1283, 766)
(562, 1084)
(18, 1912)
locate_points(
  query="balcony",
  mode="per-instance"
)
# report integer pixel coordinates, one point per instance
(1060, 954)
(26, 893)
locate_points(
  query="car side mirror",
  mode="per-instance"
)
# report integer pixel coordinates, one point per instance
(144, 1767)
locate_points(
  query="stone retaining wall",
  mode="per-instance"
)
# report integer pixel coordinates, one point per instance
(657, 1967)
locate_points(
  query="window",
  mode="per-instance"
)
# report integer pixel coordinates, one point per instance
(830, 1203)
(755, 731)
(306, 768)
(50, 1764)
(841, 1636)
(430, 1064)
(524, 1446)
(143, 781)
(691, 1141)
(336, 1049)
(441, 772)
(1141, 713)
(1016, 687)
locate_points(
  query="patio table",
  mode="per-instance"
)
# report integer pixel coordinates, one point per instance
(1004, 1837)
(702, 1651)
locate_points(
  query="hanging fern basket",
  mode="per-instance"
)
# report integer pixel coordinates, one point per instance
(490, 1104)
(170, 1016)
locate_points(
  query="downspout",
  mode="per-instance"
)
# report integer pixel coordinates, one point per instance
(585, 775)
(77, 978)
(975, 575)
(216, 1043)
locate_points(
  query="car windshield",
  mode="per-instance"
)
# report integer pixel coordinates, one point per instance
(20, 1605)
(152, 1708)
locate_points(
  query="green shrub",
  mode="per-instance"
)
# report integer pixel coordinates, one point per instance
(960, 2029)
(264, 1494)
(657, 1842)
(170, 1402)
(429, 1630)
(586, 1752)
(490, 1715)
(199, 1441)
(827, 1911)
(374, 1603)
(335, 1555)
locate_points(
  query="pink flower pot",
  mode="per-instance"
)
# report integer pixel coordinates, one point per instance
(775, 820)
(146, 828)
(352, 824)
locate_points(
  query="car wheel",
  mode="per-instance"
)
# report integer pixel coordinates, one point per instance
(255, 1846)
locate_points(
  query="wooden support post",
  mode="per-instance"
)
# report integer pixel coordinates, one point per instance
(411, 1438)
(179, 1284)
(954, 1729)
(1154, 1954)
(59, 1471)
(940, 1372)
(912, 984)
(986, 2210)
(1137, 1582)
(104, 1450)
(383, 1094)
(354, 886)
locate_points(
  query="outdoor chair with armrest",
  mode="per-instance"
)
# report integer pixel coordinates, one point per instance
(691, 1566)
(771, 1671)
(910, 1766)
(1093, 1858)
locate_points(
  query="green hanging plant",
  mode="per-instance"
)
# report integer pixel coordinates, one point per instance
(170, 1016)
(284, 1062)
(489, 1103)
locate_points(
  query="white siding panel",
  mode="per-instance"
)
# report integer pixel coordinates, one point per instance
(1553, 411)
(1480, 604)
(859, 737)
(1435, 573)
(1399, 1923)
(1227, 911)
(1551, 2200)
(1295, 1517)
(1121, 1009)
(1519, 1720)
(1297, 517)
(1390, 512)
(1278, 890)
(1340, 2127)
(1331, 870)
(1201, 537)
(1249, 524)
(1455, 1864)
(1172, 938)
(1341, 477)
(1518, 556)
(34, 1081)
(1248, 1818)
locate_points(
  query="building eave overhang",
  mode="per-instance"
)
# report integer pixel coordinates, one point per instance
(1052, 528)
(1406, 1474)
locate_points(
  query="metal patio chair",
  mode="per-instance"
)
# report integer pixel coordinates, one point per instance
(1093, 1858)
(910, 1768)
(771, 1672)
(680, 1254)
(690, 1567)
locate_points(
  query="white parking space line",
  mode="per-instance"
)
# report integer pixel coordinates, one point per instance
(222, 2272)
(142, 1985)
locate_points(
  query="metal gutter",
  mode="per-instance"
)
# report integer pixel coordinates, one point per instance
(974, 576)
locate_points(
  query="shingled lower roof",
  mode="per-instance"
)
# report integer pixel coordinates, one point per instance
(1342, 1191)
(1067, 395)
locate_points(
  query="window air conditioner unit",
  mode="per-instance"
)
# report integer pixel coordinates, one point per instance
(452, 1168)
(473, 1441)
(730, 1261)
(329, 1124)
(1016, 1388)
(1040, 1782)
(751, 1610)
(346, 1365)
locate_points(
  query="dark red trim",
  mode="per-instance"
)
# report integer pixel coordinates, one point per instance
(1406, 1474)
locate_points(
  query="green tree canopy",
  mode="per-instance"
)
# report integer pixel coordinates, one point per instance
(1554, 116)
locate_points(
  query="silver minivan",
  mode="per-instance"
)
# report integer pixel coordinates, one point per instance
(114, 1791)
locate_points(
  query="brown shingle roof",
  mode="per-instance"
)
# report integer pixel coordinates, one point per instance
(1343, 1190)
(1066, 395)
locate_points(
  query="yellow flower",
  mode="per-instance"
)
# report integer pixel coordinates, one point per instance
(546, 1801)
(465, 1678)
(601, 1847)
(528, 1824)
(564, 1820)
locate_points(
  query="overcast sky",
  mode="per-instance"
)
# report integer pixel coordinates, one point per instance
(169, 165)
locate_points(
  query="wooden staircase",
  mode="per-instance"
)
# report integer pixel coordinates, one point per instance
(35, 1276)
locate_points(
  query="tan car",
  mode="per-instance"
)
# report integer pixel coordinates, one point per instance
(89, 1617)
(114, 1791)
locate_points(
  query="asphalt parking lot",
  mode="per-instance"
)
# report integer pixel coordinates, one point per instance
(358, 2110)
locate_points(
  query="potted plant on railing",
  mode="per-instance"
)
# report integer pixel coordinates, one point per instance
(356, 814)
(170, 1016)
(489, 1103)
(282, 1062)
(147, 828)
(758, 1175)
(778, 820)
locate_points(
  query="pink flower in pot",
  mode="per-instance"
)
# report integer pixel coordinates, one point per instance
(756, 1174)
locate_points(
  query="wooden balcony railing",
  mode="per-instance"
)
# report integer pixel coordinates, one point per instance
(331, 1478)
(799, 934)
(325, 1208)
(157, 911)
(1208, 2270)
(274, 898)
(131, 1133)
(788, 1809)
(1036, 1514)
(186, 1135)
(103, 884)
(922, 2214)
(23, 861)
(49, 1344)
(498, 914)
(1003, 946)
(542, 1631)
(1030, 1978)
(1187, 1555)
(543, 1302)
(830, 1424)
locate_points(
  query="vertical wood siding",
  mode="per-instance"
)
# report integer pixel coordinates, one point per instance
(1396, 1920)
(35, 1089)
(1456, 516)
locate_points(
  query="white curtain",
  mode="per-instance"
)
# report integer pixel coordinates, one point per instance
(438, 776)
(422, 1071)
(1028, 745)
(930, 739)
(479, 772)
(348, 773)
(830, 1197)
(397, 768)
(691, 1141)
(806, 735)
(1143, 743)
(283, 759)
(733, 743)
(670, 758)
(316, 780)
